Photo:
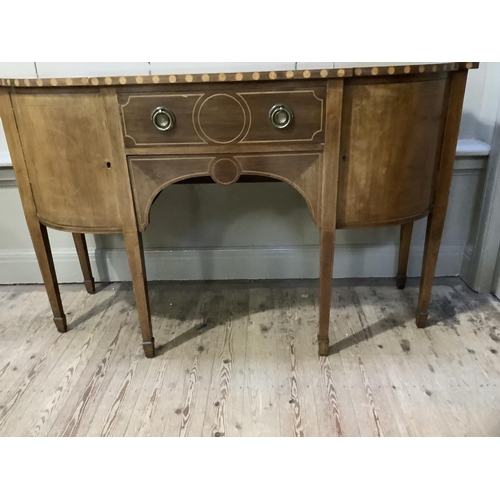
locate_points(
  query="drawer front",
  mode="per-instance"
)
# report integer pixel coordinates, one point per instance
(221, 118)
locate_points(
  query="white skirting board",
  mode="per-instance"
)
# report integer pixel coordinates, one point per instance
(237, 263)
(198, 244)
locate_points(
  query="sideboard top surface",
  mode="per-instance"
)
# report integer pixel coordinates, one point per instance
(238, 77)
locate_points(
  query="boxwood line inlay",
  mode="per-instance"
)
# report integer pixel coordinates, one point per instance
(364, 147)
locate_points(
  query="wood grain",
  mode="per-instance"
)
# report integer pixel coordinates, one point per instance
(190, 390)
(389, 151)
(404, 253)
(123, 385)
(177, 320)
(384, 376)
(83, 257)
(223, 384)
(305, 74)
(435, 222)
(261, 412)
(67, 152)
(290, 396)
(38, 232)
(204, 117)
(225, 411)
(71, 370)
(327, 242)
(150, 175)
(29, 366)
(329, 191)
(365, 148)
(76, 357)
(135, 256)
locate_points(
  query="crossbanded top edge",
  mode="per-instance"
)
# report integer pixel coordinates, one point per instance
(238, 77)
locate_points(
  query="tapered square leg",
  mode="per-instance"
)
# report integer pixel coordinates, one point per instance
(38, 232)
(135, 254)
(436, 219)
(43, 253)
(327, 240)
(83, 257)
(435, 225)
(60, 322)
(404, 253)
(149, 348)
(330, 174)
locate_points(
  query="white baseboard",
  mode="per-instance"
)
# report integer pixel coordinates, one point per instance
(351, 261)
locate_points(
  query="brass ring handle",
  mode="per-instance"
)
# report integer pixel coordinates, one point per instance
(281, 116)
(163, 119)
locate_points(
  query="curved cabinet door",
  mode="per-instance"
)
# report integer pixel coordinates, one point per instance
(389, 150)
(67, 153)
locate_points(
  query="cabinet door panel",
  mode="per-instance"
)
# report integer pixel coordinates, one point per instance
(390, 151)
(67, 152)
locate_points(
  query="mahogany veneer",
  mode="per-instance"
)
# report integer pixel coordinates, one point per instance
(365, 147)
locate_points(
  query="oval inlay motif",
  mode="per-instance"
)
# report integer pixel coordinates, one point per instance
(221, 118)
(225, 171)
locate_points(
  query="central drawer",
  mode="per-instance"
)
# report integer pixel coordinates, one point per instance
(220, 117)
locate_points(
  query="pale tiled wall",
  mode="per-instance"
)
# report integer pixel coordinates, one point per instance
(75, 69)
(249, 223)
(17, 70)
(481, 100)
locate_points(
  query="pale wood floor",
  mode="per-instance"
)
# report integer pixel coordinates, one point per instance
(240, 359)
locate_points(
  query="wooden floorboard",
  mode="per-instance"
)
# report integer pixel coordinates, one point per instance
(240, 359)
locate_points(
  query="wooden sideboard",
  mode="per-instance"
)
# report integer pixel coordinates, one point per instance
(365, 147)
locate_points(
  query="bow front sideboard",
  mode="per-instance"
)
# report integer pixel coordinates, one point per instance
(365, 147)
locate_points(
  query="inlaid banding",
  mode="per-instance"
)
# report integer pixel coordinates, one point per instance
(225, 171)
(233, 109)
(231, 77)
